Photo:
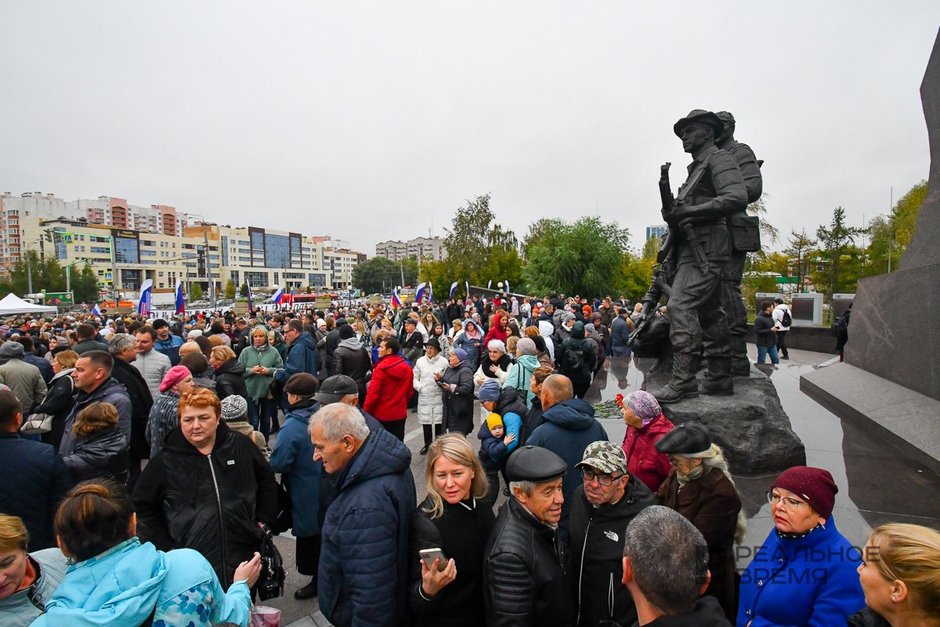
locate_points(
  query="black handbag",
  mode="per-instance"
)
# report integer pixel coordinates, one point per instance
(271, 580)
(284, 519)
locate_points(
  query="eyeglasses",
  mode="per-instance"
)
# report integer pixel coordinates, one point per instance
(590, 475)
(675, 461)
(787, 502)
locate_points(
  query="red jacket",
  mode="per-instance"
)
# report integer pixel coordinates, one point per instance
(390, 389)
(643, 460)
(495, 333)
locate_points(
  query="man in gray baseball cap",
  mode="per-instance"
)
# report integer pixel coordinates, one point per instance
(601, 508)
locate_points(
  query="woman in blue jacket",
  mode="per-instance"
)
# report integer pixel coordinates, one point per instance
(293, 458)
(805, 572)
(116, 580)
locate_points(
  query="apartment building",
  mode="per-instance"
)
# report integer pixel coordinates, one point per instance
(420, 247)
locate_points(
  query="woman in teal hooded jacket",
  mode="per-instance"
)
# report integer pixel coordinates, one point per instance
(116, 580)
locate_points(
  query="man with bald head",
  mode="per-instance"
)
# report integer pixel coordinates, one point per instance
(568, 427)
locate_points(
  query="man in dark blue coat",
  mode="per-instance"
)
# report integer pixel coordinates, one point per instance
(36, 479)
(364, 564)
(301, 355)
(568, 426)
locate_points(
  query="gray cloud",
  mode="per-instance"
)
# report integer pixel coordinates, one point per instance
(367, 120)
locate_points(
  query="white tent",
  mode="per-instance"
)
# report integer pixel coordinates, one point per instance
(13, 304)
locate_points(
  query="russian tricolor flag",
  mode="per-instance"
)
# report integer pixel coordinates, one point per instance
(453, 289)
(97, 310)
(396, 301)
(180, 298)
(419, 295)
(278, 295)
(143, 303)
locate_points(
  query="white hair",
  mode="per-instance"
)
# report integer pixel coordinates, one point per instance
(338, 420)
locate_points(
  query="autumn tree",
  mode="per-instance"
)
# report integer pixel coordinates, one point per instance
(835, 242)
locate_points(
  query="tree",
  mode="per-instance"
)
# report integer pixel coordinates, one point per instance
(230, 290)
(244, 290)
(381, 275)
(195, 292)
(800, 246)
(85, 285)
(584, 257)
(890, 235)
(835, 241)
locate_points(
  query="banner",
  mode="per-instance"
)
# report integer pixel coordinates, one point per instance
(180, 298)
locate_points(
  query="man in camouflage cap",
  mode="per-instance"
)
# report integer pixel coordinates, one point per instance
(602, 507)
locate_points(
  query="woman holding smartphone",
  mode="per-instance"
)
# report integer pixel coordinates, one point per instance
(446, 587)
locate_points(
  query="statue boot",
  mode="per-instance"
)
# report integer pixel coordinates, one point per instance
(740, 368)
(718, 379)
(683, 384)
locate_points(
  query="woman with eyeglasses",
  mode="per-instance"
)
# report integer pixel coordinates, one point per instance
(805, 572)
(900, 576)
(700, 488)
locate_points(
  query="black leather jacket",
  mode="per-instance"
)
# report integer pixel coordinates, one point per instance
(524, 580)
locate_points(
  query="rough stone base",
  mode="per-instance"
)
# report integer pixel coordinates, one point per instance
(750, 426)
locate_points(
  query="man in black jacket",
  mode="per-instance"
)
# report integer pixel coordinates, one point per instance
(352, 359)
(123, 348)
(601, 508)
(524, 578)
(665, 567)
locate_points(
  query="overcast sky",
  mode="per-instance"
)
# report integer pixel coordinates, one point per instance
(375, 120)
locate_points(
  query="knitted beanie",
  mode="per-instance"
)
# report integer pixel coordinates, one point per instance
(493, 421)
(526, 346)
(234, 407)
(489, 390)
(816, 485)
(644, 406)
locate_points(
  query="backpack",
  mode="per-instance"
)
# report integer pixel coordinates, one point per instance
(786, 320)
(574, 359)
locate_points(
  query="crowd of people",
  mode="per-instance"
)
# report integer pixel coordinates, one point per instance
(147, 460)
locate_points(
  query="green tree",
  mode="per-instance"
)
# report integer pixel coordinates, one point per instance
(244, 290)
(799, 247)
(382, 275)
(584, 257)
(85, 285)
(47, 274)
(195, 292)
(230, 289)
(835, 242)
(479, 250)
(890, 235)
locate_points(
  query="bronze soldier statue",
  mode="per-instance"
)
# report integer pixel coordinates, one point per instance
(697, 249)
(745, 238)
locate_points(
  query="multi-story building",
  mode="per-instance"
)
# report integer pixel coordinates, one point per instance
(420, 247)
(656, 230)
(123, 259)
(263, 258)
(126, 244)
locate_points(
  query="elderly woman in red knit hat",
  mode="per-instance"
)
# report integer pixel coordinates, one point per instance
(805, 572)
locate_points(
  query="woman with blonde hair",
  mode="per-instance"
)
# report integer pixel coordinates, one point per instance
(229, 372)
(455, 519)
(900, 576)
(27, 580)
(58, 400)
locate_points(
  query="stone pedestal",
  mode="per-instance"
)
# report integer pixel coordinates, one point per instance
(750, 426)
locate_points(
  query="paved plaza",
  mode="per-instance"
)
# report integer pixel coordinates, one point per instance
(877, 484)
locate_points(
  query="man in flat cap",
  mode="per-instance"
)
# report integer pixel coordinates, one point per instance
(745, 238)
(601, 508)
(701, 247)
(524, 579)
